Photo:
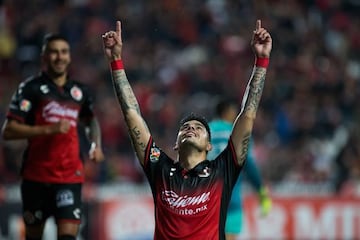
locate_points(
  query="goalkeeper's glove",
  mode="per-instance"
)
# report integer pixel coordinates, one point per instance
(265, 201)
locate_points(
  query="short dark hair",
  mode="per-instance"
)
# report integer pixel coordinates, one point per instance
(51, 37)
(223, 104)
(199, 118)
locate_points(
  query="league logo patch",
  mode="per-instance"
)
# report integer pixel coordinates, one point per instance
(25, 105)
(64, 198)
(76, 93)
(154, 154)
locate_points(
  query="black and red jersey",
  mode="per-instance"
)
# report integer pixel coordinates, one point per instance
(39, 101)
(190, 204)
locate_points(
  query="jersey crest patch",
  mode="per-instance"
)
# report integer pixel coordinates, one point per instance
(25, 105)
(76, 93)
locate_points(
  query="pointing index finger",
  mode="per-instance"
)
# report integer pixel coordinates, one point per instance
(258, 24)
(118, 28)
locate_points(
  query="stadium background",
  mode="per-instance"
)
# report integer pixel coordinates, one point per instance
(183, 54)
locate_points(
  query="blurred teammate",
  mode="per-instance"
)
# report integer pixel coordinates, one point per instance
(46, 110)
(220, 128)
(191, 194)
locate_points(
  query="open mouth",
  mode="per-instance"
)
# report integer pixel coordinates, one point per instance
(188, 136)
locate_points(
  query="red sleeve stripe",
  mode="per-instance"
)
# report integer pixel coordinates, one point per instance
(233, 152)
(147, 151)
(15, 117)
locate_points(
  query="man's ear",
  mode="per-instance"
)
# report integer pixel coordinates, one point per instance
(209, 147)
(176, 146)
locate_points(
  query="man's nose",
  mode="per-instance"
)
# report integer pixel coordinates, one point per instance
(192, 126)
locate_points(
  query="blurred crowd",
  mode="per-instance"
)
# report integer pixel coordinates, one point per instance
(182, 55)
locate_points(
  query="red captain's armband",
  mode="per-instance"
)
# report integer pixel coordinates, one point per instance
(117, 65)
(262, 62)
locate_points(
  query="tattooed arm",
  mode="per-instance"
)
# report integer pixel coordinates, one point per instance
(96, 154)
(137, 127)
(261, 44)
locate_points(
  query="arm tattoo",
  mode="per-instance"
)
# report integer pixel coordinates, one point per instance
(124, 93)
(254, 91)
(128, 101)
(137, 143)
(245, 148)
(95, 131)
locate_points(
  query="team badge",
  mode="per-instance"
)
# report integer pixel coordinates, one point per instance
(154, 154)
(25, 105)
(76, 93)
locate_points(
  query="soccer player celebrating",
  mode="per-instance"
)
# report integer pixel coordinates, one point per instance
(191, 194)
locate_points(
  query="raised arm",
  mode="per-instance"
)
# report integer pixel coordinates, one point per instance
(137, 127)
(261, 44)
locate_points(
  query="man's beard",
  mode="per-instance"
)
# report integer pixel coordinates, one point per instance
(55, 73)
(187, 144)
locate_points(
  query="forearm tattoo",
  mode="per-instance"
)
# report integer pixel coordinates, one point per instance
(124, 92)
(254, 92)
(135, 132)
(95, 131)
(127, 100)
(245, 148)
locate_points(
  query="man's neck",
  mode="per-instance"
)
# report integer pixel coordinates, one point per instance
(189, 161)
(59, 80)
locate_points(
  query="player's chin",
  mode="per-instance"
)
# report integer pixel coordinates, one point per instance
(59, 70)
(189, 141)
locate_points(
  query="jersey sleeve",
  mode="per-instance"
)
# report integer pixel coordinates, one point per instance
(154, 161)
(251, 171)
(228, 164)
(22, 103)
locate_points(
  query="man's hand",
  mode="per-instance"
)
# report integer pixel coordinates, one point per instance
(95, 153)
(112, 42)
(265, 201)
(62, 126)
(261, 41)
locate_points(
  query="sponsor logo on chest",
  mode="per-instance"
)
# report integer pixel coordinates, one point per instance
(53, 112)
(186, 204)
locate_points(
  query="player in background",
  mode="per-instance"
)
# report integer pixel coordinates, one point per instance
(220, 128)
(47, 109)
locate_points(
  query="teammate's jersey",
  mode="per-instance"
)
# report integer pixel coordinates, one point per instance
(190, 205)
(39, 101)
(220, 133)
